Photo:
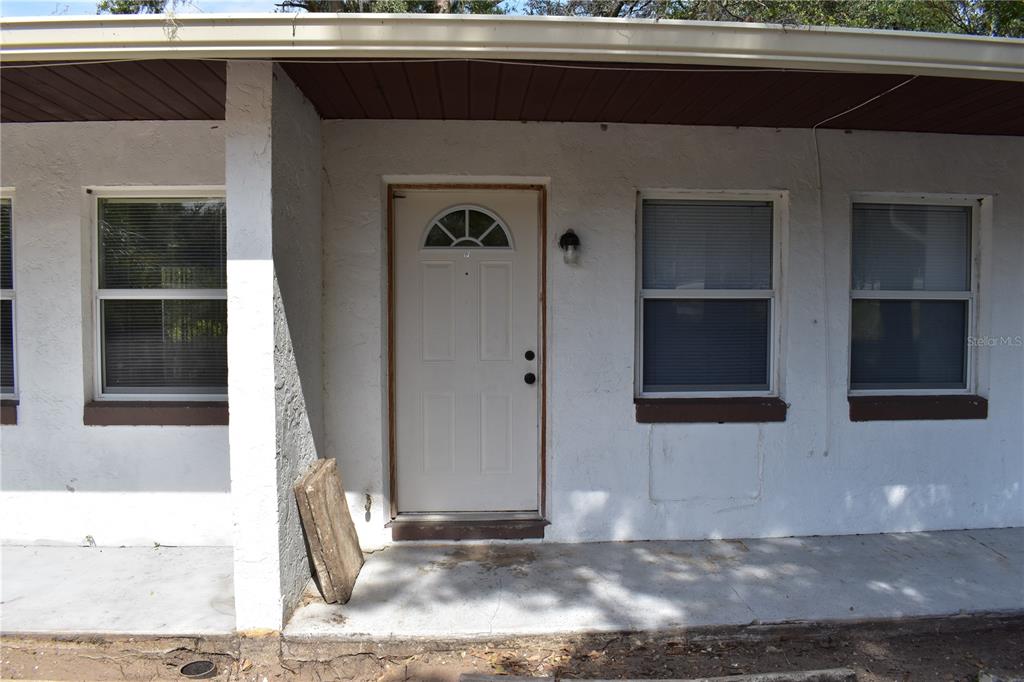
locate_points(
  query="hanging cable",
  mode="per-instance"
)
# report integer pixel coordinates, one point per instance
(824, 253)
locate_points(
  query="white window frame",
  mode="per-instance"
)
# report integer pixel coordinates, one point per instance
(780, 227)
(974, 202)
(7, 194)
(136, 192)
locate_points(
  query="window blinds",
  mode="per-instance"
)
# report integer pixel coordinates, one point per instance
(7, 302)
(6, 246)
(698, 343)
(705, 345)
(901, 337)
(707, 245)
(161, 244)
(910, 247)
(163, 344)
(158, 346)
(6, 346)
(908, 344)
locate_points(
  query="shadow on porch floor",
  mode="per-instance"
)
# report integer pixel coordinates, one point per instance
(412, 591)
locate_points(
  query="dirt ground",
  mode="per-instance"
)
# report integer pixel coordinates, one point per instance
(952, 649)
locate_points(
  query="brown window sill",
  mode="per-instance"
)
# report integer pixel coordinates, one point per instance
(165, 413)
(709, 410)
(917, 407)
(8, 412)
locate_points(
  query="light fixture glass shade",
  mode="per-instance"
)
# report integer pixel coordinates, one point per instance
(570, 245)
(570, 256)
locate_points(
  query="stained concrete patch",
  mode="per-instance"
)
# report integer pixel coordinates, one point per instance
(517, 559)
(421, 591)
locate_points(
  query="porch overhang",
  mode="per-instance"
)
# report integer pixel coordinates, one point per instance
(519, 69)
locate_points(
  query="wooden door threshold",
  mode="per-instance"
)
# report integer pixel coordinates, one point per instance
(413, 528)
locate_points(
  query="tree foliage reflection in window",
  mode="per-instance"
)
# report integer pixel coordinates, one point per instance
(467, 227)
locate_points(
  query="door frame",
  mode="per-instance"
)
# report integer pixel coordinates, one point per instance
(542, 316)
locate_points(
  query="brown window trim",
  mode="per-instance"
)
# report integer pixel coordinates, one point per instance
(709, 410)
(8, 412)
(876, 408)
(498, 529)
(148, 413)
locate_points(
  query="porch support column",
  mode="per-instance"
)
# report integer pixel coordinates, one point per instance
(272, 157)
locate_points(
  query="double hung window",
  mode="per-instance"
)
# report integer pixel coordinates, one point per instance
(161, 297)
(707, 303)
(8, 386)
(912, 298)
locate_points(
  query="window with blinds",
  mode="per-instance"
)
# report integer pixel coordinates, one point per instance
(162, 297)
(7, 369)
(912, 297)
(706, 296)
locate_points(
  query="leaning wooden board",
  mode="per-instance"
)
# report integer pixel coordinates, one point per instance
(330, 533)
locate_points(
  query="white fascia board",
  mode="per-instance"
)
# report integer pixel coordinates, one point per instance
(376, 36)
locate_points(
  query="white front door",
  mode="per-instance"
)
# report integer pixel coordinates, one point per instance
(467, 377)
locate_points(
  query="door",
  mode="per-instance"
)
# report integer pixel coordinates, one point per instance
(466, 350)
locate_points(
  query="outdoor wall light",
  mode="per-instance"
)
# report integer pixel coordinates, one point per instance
(570, 245)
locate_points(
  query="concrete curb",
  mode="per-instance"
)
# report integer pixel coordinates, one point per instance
(999, 677)
(830, 675)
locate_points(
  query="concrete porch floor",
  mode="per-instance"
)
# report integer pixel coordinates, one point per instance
(117, 590)
(410, 591)
(413, 591)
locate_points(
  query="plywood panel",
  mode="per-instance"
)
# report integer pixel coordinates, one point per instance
(335, 554)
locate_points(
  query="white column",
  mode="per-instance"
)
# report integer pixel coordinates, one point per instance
(250, 268)
(272, 318)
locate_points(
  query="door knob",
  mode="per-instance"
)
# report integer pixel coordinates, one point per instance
(530, 377)
(529, 355)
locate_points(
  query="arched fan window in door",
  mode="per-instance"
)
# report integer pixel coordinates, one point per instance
(467, 227)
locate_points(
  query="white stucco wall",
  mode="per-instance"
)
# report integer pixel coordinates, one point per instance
(298, 356)
(272, 150)
(611, 478)
(61, 480)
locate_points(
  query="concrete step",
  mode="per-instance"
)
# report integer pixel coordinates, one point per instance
(831, 675)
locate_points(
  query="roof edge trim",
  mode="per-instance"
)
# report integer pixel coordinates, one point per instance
(368, 36)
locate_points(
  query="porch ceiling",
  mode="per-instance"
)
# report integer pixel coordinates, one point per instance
(658, 93)
(485, 89)
(148, 90)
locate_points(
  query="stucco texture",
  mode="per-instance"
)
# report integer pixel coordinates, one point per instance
(88, 472)
(297, 313)
(274, 344)
(610, 478)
